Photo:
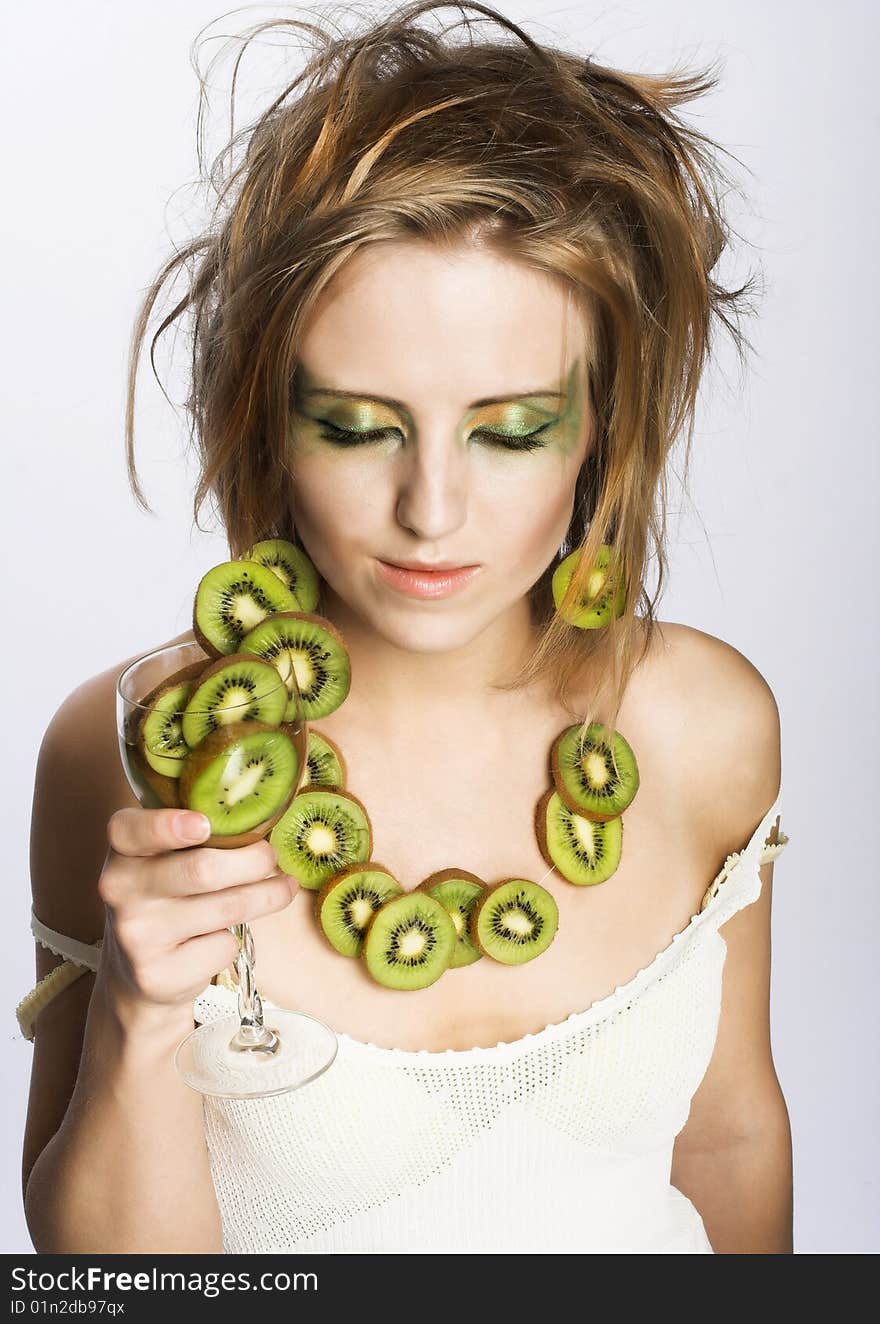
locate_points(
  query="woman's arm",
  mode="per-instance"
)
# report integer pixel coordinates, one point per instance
(733, 1158)
(127, 1171)
(115, 1158)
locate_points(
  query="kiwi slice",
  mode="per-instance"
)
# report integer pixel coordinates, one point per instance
(325, 765)
(595, 779)
(238, 688)
(153, 790)
(160, 739)
(589, 611)
(190, 672)
(583, 850)
(514, 921)
(242, 776)
(457, 890)
(308, 651)
(292, 566)
(409, 942)
(322, 832)
(231, 599)
(347, 902)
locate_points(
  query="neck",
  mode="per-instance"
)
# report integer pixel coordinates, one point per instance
(397, 685)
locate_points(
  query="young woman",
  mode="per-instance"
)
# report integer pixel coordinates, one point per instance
(454, 312)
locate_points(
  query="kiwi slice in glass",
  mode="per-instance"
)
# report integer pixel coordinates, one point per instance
(242, 777)
(595, 779)
(322, 832)
(238, 688)
(155, 791)
(410, 941)
(457, 890)
(347, 902)
(325, 765)
(160, 737)
(589, 612)
(231, 599)
(313, 650)
(583, 850)
(514, 921)
(292, 566)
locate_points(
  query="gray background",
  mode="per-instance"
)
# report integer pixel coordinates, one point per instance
(772, 551)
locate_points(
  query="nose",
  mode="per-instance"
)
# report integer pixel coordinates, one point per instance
(432, 497)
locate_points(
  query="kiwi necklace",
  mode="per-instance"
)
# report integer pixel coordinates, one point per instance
(255, 618)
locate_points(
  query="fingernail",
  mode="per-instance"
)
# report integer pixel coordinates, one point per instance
(192, 827)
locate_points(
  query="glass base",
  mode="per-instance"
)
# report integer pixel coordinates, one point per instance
(217, 1059)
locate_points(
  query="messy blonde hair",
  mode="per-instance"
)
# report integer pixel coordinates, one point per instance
(394, 131)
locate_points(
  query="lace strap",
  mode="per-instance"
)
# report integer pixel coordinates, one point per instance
(42, 994)
(81, 953)
(738, 883)
(78, 958)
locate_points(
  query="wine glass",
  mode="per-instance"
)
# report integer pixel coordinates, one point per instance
(243, 1056)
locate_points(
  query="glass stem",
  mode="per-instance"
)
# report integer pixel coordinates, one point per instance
(250, 1007)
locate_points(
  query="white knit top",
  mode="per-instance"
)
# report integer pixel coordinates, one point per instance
(559, 1141)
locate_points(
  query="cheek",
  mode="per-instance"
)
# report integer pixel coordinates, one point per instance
(334, 504)
(530, 515)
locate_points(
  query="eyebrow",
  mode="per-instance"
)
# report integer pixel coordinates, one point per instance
(399, 405)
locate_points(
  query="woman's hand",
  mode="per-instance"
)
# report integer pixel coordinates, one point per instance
(169, 904)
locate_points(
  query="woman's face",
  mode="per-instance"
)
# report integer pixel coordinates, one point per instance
(440, 414)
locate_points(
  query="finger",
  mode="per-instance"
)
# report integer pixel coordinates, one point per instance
(194, 915)
(209, 869)
(152, 831)
(207, 952)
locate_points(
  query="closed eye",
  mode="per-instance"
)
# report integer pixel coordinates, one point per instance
(353, 437)
(509, 441)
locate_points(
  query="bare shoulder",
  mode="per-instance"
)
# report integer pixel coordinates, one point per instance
(724, 718)
(688, 657)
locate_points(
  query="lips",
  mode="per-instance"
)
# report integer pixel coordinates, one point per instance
(426, 583)
(431, 567)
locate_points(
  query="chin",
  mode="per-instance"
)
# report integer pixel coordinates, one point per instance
(422, 632)
(428, 636)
